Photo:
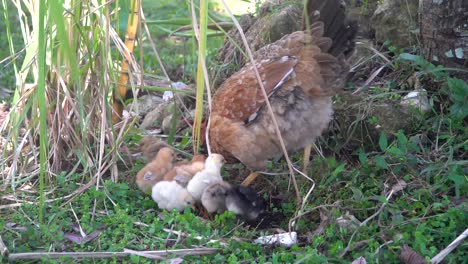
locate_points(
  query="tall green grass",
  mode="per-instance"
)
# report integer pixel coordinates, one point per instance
(202, 74)
(61, 106)
(60, 111)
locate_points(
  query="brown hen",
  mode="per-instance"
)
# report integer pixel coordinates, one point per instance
(300, 72)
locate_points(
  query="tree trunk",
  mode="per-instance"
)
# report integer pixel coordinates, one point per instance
(444, 31)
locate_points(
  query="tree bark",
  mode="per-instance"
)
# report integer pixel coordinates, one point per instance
(444, 31)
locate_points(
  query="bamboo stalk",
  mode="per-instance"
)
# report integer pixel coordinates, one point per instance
(121, 90)
(125, 253)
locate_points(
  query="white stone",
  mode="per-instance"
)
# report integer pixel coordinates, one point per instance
(284, 239)
(417, 99)
(459, 53)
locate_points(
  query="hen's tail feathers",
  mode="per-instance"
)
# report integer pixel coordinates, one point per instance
(337, 26)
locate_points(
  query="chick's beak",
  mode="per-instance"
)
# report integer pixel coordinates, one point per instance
(191, 203)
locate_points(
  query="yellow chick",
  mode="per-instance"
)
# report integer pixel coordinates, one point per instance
(209, 175)
(149, 147)
(154, 171)
(170, 195)
(183, 171)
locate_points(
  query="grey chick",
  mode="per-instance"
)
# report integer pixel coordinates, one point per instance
(245, 202)
(214, 197)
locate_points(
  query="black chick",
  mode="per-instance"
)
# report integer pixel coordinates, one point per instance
(245, 202)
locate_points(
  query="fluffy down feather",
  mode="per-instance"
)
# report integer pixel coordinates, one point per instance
(242, 201)
(170, 195)
(209, 175)
(245, 202)
(149, 147)
(214, 197)
(154, 171)
(183, 171)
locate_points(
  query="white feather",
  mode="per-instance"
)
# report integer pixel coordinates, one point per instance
(209, 175)
(170, 195)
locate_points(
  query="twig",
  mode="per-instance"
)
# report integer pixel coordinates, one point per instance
(439, 257)
(370, 79)
(306, 197)
(125, 253)
(143, 254)
(82, 233)
(378, 211)
(267, 101)
(153, 46)
(367, 220)
(383, 245)
(292, 220)
(219, 26)
(3, 248)
(299, 212)
(13, 205)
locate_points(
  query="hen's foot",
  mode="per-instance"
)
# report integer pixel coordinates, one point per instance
(306, 161)
(250, 178)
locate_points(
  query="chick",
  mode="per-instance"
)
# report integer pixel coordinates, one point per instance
(214, 197)
(183, 171)
(170, 195)
(154, 171)
(245, 202)
(209, 175)
(149, 147)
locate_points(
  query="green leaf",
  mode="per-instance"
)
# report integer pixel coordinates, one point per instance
(409, 57)
(383, 142)
(339, 169)
(458, 89)
(380, 162)
(396, 152)
(459, 181)
(357, 194)
(382, 199)
(459, 110)
(362, 157)
(172, 22)
(335, 173)
(402, 140)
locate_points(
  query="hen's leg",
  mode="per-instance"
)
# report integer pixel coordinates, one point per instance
(250, 178)
(306, 160)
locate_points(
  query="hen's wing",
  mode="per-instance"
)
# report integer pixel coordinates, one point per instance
(298, 59)
(240, 96)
